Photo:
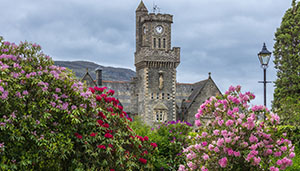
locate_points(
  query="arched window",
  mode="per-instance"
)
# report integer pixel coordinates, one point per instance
(159, 44)
(154, 42)
(164, 43)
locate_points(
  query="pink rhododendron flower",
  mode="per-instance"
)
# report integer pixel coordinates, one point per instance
(229, 122)
(216, 132)
(292, 155)
(223, 162)
(237, 154)
(197, 123)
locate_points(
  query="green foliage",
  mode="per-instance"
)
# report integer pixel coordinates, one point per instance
(170, 137)
(292, 133)
(287, 62)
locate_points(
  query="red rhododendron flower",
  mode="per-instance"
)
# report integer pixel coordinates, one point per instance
(145, 152)
(112, 169)
(93, 134)
(110, 145)
(142, 160)
(92, 90)
(98, 98)
(110, 109)
(102, 115)
(79, 136)
(129, 119)
(111, 92)
(146, 138)
(101, 146)
(120, 107)
(106, 125)
(100, 122)
(153, 145)
(103, 95)
(108, 135)
(99, 89)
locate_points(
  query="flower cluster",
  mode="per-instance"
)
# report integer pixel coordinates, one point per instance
(237, 137)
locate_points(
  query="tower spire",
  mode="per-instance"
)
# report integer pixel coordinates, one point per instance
(141, 7)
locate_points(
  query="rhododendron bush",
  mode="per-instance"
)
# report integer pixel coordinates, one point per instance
(108, 142)
(50, 121)
(237, 138)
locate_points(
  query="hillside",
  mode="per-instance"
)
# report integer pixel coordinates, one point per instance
(108, 73)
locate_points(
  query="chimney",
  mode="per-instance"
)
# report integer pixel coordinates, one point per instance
(99, 76)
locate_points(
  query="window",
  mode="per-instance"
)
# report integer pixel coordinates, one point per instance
(168, 96)
(151, 95)
(157, 95)
(154, 42)
(162, 95)
(159, 43)
(164, 43)
(159, 116)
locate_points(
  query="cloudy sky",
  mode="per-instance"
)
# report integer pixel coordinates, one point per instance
(217, 36)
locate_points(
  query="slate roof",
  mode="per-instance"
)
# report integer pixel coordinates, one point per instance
(198, 86)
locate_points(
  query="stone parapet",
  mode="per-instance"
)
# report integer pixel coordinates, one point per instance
(146, 54)
(157, 17)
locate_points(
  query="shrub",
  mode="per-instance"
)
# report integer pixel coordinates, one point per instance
(50, 121)
(106, 141)
(171, 138)
(41, 106)
(236, 139)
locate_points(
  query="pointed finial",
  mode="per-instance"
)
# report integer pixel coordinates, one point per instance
(141, 7)
(87, 70)
(209, 75)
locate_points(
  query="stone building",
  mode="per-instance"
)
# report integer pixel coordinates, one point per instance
(154, 94)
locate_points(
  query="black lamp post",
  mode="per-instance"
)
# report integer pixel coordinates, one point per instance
(264, 57)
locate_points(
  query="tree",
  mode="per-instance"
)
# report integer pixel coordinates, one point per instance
(287, 62)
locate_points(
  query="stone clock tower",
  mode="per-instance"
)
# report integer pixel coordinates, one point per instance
(156, 62)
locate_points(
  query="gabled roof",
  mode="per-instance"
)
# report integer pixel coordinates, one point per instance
(142, 7)
(198, 86)
(160, 106)
(88, 78)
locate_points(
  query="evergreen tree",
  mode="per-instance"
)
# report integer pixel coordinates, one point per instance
(287, 62)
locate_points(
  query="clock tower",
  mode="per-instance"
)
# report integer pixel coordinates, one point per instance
(156, 62)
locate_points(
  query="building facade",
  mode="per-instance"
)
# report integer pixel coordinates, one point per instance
(154, 93)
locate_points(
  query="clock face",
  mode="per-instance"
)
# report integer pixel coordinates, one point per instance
(159, 29)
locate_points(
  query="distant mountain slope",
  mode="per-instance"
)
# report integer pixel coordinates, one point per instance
(108, 73)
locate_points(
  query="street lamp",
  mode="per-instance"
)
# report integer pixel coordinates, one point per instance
(264, 57)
